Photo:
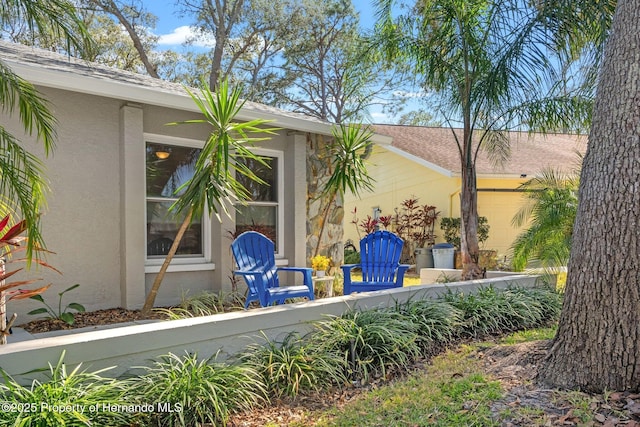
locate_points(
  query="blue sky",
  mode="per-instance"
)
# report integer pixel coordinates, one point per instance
(174, 30)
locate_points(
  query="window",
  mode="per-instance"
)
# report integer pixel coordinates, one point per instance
(167, 168)
(262, 213)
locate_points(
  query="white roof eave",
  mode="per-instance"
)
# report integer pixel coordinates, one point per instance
(67, 80)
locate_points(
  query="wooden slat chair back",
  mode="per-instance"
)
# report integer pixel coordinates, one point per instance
(254, 254)
(380, 263)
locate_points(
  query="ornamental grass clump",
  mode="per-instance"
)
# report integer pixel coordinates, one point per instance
(436, 321)
(66, 398)
(203, 304)
(489, 312)
(198, 391)
(370, 342)
(292, 366)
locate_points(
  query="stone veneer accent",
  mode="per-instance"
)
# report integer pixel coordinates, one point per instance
(318, 173)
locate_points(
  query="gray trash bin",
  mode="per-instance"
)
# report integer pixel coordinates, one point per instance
(424, 259)
(443, 255)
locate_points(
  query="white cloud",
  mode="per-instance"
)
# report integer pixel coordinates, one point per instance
(184, 34)
(407, 94)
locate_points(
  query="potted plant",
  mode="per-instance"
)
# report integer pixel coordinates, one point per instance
(320, 264)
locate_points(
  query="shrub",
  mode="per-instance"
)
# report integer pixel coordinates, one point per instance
(369, 342)
(436, 321)
(451, 228)
(203, 304)
(200, 391)
(490, 312)
(67, 398)
(292, 366)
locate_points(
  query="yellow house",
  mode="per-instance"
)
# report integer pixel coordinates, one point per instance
(424, 162)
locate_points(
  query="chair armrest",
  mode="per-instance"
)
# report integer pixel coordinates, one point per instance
(346, 268)
(346, 276)
(306, 273)
(402, 268)
(301, 269)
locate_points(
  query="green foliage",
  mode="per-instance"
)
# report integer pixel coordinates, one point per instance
(492, 66)
(370, 342)
(41, 404)
(449, 391)
(351, 257)
(294, 365)
(200, 391)
(550, 211)
(215, 182)
(204, 304)
(489, 311)
(358, 346)
(348, 151)
(61, 313)
(23, 184)
(436, 321)
(451, 228)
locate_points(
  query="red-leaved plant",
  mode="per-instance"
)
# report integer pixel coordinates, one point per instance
(10, 245)
(414, 223)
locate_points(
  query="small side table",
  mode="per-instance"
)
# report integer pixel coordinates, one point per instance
(329, 283)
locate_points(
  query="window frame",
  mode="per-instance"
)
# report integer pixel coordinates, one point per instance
(279, 155)
(183, 263)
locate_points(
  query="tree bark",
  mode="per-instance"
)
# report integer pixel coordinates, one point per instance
(597, 346)
(153, 292)
(111, 7)
(469, 248)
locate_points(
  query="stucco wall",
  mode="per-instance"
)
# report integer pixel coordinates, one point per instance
(398, 178)
(95, 221)
(82, 221)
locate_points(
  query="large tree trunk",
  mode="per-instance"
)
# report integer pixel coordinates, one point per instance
(597, 346)
(469, 248)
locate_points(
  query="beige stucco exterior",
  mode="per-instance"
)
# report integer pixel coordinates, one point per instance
(96, 216)
(399, 178)
(95, 221)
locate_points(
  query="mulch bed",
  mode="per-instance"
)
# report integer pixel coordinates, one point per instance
(107, 316)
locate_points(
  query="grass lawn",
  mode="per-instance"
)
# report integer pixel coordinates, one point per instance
(455, 389)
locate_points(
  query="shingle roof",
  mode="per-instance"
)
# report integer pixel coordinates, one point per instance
(529, 153)
(41, 66)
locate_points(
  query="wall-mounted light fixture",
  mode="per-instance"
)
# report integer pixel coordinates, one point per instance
(162, 154)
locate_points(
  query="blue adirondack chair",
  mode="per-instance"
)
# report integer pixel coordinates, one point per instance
(254, 255)
(380, 263)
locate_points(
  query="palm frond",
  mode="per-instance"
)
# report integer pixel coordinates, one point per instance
(214, 183)
(551, 204)
(50, 19)
(350, 147)
(23, 187)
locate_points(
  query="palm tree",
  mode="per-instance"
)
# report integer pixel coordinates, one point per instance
(23, 185)
(214, 187)
(492, 66)
(350, 147)
(550, 210)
